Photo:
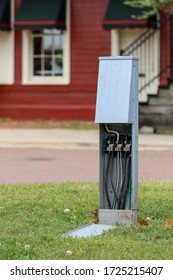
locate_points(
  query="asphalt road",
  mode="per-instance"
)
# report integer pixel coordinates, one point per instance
(43, 165)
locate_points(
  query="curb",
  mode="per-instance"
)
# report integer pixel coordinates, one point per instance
(73, 139)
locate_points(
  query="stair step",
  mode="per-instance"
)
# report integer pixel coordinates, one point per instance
(156, 116)
(160, 109)
(165, 97)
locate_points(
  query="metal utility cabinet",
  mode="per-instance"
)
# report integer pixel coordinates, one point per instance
(117, 115)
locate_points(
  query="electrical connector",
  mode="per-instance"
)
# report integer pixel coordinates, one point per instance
(127, 148)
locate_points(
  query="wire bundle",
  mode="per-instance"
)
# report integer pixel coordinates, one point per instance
(117, 179)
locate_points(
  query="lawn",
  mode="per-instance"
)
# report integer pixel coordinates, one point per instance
(45, 124)
(32, 219)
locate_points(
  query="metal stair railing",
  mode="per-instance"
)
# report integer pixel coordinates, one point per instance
(143, 47)
(129, 50)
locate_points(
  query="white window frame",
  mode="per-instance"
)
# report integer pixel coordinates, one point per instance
(27, 76)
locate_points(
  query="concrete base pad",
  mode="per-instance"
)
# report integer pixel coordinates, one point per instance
(88, 230)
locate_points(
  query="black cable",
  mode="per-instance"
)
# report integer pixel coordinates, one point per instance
(121, 187)
(116, 199)
(127, 177)
(124, 196)
(123, 184)
(117, 169)
(112, 177)
(106, 180)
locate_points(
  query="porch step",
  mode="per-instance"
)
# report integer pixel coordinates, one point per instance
(158, 112)
(165, 97)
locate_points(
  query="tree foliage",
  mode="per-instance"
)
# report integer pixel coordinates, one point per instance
(151, 7)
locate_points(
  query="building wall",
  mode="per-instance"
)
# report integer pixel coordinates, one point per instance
(74, 101)
(89, 40)
(165, 51)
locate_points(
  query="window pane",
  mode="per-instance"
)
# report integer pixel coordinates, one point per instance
(48, 66)
(58, 44)
(37, 45)
(48, 53)
(58, 66)
(48, 44)
(37, 66)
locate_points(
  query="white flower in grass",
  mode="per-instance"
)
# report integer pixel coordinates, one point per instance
(66, 210)
(69, 252)
(27, 246)
(148, 219)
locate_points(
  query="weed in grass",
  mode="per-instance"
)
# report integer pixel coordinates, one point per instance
(32, 220)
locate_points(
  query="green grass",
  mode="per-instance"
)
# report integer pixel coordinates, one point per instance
(34, 215)
(45, 124)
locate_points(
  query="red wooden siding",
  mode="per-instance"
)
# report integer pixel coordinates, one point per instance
(75, 101)
(165, 51)
(89, 40)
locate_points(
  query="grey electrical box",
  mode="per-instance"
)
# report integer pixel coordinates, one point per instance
(117, 115)
(117, 86)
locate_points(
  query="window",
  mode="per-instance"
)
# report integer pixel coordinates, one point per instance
(46, 56)
(47, 53)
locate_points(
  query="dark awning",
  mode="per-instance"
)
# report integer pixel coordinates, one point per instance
(39, 14)
(120, 15)
(5, 15)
